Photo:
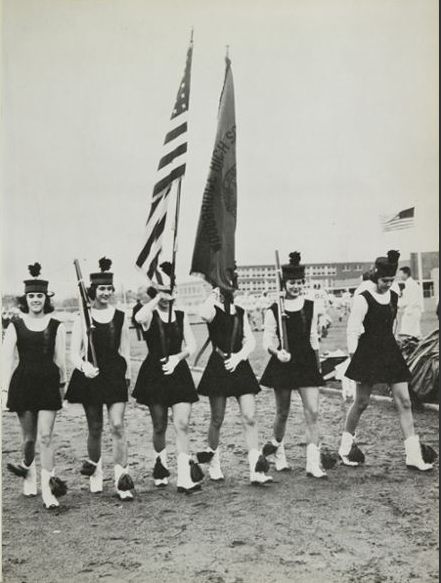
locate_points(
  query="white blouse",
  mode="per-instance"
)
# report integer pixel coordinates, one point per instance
(270, 338)
(208, 312)
(78, 346)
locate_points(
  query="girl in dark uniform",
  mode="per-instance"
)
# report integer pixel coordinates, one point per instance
(376, 358)
(295, 368)
(228, 374)
(36, 384)
(105, 385)
(164, 381)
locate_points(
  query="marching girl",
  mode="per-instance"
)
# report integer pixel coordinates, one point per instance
(36, 384)
(376, 358)
(295, 368)
(164, 381)
(228, 374)
(107, 384)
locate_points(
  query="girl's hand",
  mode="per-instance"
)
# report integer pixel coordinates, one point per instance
(89, 370)
(169, 366)
(232, 362)
(283, 356)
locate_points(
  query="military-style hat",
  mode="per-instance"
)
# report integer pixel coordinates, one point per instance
(103, 277)
(387, 266)
(293, 269)
(36, 285)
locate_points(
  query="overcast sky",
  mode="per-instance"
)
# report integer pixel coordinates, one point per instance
(336, 107)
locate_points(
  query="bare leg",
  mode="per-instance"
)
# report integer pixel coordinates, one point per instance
(159, 417)
(116, 413)
(247, 404)
(218, 405)
(181, 420)
(94, 416)
(29, 423)
(361, 402)
(46, 421)
(283, 404)
(310, 400)
(400, 393)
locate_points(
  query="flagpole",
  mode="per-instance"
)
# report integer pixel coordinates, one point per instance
(420, 277)
(175, 245)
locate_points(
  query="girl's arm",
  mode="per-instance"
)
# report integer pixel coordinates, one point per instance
(248, 341)
(124, 346)
(8, 350)
(145, 314)
(270, 338)
(76, 345)
(355, 322)
(60, 352)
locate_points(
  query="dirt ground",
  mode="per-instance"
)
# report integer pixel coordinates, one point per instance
(374, 524)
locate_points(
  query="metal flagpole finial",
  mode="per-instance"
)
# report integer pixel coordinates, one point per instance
(227, 54)
(191, 35)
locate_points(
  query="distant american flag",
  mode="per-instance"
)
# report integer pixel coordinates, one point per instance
(171, 168)
(402, 220)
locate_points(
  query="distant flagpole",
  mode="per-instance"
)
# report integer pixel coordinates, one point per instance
(171, 169)
(214, 249)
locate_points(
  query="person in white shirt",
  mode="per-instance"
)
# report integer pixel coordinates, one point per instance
(35, 385)
(294, 367)
(376, 358)
(104, 384)
(164, 380)
(410, 304)
(229, 374)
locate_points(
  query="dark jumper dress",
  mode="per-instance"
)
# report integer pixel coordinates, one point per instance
(35, 383)
(302, 369)
(378, 358)
(216, 380)
(110, 385)
(153, 387)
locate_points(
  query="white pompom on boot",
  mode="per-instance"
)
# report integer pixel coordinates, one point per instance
(120, 472)
(96, 479)
(313, 463)
(257, 478)
(414, 457)
(30, 481)
(160, 469)
(49, 500)
(214, 467)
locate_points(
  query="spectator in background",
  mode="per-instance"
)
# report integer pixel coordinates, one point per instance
(135, 324)
(410, 304)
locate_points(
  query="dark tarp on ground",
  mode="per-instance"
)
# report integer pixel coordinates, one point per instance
(424, 366)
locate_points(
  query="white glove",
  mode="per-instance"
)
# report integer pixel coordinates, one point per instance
(89, 370)
(283, 356)
(232, 362)
(171, 364)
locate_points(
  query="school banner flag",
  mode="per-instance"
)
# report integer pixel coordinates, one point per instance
(214, 250)
(171, 169)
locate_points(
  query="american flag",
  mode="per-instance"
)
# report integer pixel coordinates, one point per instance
(402, 220)
(171, 168)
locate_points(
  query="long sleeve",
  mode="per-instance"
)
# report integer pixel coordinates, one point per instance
(145, 314)
(248, 342)
(189, 339)
(8, 351)
(270, 338)
(124, 346)
(355, 322)
(60, 352)
(77, 345)
(207, 311)
(314, 339)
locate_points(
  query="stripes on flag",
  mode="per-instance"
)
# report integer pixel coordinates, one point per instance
(171, 168)
(402, 220)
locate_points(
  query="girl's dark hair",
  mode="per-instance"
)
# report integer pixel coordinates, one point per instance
(23, 305)
(91, 291)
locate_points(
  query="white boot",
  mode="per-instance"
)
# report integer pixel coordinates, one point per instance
(160, 470)
(30, 481)
(347, 440)
(96, 479)
(49, 499)
(256, 477)
(280, 457)
(214, 468)
(313, 464)
(184, 482)
(414, 458)
(119, 472)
